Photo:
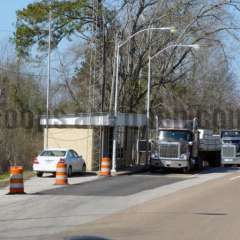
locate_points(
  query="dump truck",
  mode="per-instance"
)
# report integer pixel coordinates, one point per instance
(230, 149)
(182, 145)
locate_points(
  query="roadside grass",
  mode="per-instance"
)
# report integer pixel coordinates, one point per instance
(4, 177)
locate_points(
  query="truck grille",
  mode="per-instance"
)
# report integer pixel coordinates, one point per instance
(228, 151)
(169, 150)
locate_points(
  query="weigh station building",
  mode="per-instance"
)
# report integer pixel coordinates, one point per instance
(81, 133)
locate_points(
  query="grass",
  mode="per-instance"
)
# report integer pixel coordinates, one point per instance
(4, 176)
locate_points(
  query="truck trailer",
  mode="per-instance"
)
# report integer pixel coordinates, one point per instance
(182, 145)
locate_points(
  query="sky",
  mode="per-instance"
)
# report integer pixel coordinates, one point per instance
(8, 16)
(8, 10)
(8, 19)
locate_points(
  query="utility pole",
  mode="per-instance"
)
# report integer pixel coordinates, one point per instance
(49, 77)
(101, 64)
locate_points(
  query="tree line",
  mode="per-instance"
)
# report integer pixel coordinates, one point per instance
(185, 83)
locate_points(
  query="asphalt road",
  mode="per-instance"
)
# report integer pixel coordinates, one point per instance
(209, 211)
(118, 186)
(52, 214)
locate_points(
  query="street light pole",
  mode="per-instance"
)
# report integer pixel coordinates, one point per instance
(119, 45)
(148, 109)
(48, 77)
(195, 46)
(114, 163)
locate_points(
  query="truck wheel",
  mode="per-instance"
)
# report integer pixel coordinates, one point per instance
(199, 164)
(152, 169)
(187, 169)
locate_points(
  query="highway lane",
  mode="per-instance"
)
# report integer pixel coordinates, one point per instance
(207, 211)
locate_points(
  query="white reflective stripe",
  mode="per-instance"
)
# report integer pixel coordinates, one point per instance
(16, 185)
(17, 176)
(61, 177)
(105, 169)
(105, 164)
(61, 170)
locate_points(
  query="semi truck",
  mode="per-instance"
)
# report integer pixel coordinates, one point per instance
(230, 149)
(182, 145)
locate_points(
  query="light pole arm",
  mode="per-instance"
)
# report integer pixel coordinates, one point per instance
(195, 46)
(143, 30)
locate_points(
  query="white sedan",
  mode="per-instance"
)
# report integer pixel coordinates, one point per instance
(46, 161)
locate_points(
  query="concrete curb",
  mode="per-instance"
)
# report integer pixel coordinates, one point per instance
(131, 171)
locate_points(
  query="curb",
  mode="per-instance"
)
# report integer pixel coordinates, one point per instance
(131, 171)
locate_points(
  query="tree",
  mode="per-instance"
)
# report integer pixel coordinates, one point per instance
(21, 101)
(101, 26)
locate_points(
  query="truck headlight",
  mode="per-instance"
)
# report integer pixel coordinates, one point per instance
(184, 157)
(155, 155)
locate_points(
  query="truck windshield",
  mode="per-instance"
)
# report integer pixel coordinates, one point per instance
(175, 135)
(230, 134)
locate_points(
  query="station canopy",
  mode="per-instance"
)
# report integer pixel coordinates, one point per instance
(96, 119)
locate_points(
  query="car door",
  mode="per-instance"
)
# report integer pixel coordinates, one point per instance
(73, 161)
(78, 161)
(69, 159)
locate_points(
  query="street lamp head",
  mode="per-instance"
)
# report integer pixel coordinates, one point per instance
(195, 46)
(173, 30)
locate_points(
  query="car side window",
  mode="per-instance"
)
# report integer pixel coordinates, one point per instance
(70, 154)
(75, 154)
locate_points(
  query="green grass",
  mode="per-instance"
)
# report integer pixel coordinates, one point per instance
(4, 176)
(27, 174)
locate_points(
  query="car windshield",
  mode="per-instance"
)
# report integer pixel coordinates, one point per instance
(173, 135)
(53, 153)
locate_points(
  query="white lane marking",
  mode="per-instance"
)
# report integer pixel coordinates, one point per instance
(234, 178)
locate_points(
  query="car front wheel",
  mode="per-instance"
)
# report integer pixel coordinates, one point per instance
(39, 174)
(84, 168)
(69, 171)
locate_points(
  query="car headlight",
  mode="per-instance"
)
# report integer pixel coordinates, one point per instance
(184, 157)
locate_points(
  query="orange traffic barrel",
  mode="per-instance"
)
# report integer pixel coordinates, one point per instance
(105, 166)
(16, 180)
(61, 173)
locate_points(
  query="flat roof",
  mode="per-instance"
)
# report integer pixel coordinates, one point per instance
(96, 119)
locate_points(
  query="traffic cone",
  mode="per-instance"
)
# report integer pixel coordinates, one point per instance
(61, 173)
(105, 167)
(16, 180)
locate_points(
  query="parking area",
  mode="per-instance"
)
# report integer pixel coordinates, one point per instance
(119, 185)
(36, 184)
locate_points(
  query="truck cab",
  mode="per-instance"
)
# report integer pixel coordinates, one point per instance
(172, 149)
(175, 146)
(230, 149)
(181, 144)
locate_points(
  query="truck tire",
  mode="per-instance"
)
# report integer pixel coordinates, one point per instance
(152, 169)
(187, 169)
(199, 164)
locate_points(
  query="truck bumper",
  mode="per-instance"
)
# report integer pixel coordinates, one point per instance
(168, 163)
(230, 161)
